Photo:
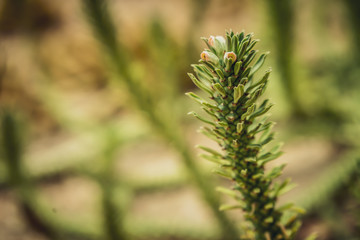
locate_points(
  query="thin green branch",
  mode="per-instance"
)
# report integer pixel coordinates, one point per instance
(12, 148)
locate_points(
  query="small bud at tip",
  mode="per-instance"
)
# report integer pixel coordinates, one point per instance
(230, 55)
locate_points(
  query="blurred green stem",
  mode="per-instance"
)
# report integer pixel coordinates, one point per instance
(282, 14)
(113, 218)
(105, 31)
(18, 180)
(354, 15)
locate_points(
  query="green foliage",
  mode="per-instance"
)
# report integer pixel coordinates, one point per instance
(239, 125)
(102, 24)
(11, 147)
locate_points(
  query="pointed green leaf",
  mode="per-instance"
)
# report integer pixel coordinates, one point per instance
(285, 207)
(227, 191)
(195, 97)
(239, 127)
(209, 112)
(261, 111)
(286, 188)
(249, 58)
(237, 68)
(229, 207)
(228, 43)
(238, 92)
(275, 172)
(268, 158)
(267, 139)
(277, 147)
(249, 111)
(219, 73)
(214, 159)
(243, 48)
(258, 64)
(200, 85)
(210, 134)
(209, 150)
(220, 89)
(252, 44)
(313, 236)
(223, 173)
(263, 80)
(201, 118)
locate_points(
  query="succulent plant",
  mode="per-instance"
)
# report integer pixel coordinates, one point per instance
(238, 123)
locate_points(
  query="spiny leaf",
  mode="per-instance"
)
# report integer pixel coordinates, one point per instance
(266, 139)
(238, 92)
(285, 207)
(286, 188)
(258, 64)
(242, 48)
(229, 207)
(275, 172)
(200, 85)
(260, 111)
(201, 118)
(239, 127)
(195, 97)
(252, 44)
(228, 43)
(209, 150)
(214, 159)
(270, 157)
(249, 58)
(219, 73)
(263, 80)
(220, 89)
(227, 191)
(223, 173)
(249, 111)
(237, 67)
(210, 134)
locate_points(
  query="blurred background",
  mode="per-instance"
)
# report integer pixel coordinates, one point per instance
(95, 139)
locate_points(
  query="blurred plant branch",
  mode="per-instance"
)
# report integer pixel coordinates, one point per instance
(12, 150)
(282, 16)
(104, 29)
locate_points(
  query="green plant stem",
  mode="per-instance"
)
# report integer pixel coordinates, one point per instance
(282, 14)
(18, 180)
(113, 218)
(353, 7)
(105, 31)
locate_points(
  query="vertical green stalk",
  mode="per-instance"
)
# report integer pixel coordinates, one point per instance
(164, 54)
(239, 125)
(354, 16)
(113, 218)
(281, 13)
(12, 155)
(105, 31)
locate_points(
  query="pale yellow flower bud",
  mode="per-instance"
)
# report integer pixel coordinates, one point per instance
(209, 57)
(230, 56)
